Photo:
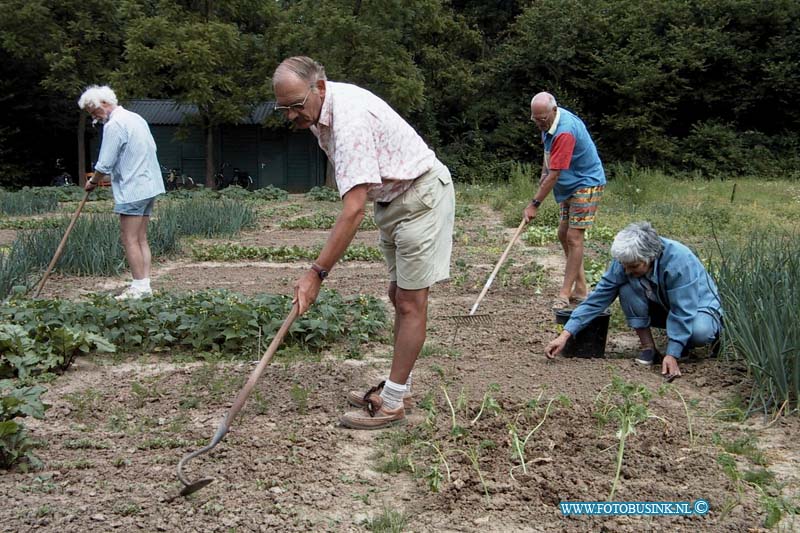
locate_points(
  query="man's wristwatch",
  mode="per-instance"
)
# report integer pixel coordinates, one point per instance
(536, 203)
(321, 272)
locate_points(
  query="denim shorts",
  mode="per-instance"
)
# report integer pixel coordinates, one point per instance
(140, 208)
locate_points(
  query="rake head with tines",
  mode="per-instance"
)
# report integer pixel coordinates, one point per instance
(472, 318)
(469, 320)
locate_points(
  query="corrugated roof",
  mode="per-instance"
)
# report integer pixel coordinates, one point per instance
(170, 112)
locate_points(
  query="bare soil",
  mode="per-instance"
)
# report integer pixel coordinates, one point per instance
(118, 425)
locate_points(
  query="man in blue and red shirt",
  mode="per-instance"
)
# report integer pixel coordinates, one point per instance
(573, 171)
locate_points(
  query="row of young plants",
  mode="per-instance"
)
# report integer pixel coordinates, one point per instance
(758, 284)
(323, 221)
(212, 320)
(37, 200)
(40, 338)
(454, 432)
(451, 445)
(94, 248)
(280, 254)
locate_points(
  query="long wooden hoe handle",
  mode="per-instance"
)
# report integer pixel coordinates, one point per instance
(238, 403)
(241, 398)
(60, 248)
(497, 267)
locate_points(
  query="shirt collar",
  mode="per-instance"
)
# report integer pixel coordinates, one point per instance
(552, 130)
(325, 112)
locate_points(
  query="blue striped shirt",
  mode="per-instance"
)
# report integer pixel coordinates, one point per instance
(128, 155)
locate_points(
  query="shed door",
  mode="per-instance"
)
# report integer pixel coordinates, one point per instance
(272, 163)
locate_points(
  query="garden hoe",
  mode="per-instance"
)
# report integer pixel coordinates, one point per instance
(472, 318)
(190, 488)
(60, 248)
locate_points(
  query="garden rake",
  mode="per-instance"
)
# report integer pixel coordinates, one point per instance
(472, 318)
(60, 248)
(241, 398)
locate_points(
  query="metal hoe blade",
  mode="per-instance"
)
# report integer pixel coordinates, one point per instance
(241, 398)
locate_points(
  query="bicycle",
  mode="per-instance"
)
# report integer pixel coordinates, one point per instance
(175, 180)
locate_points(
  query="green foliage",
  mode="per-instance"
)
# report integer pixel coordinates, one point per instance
(518, 443)
(76, 42)
(203, 57)
(594, 270)
(15, 445)
(759, 290)
(284, 254)
(15, 268)
(93, 246)
(29, 223)
(44, 347)
(73, 193)
(208, 217)
(627, 404)
(674, 84)
(201, 321)
(624, 53)
(388, 521)
(26, 202)
(323, 221)
(270, 193)
(540, 236)
(315, 221)
(323, 194)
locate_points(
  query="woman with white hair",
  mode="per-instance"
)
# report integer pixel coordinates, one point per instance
(661, 283)
(128, 155)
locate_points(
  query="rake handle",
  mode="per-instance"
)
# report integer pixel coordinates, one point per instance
(497, 267)
(61, 245)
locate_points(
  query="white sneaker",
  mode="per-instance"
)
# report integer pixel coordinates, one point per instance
(132, 293)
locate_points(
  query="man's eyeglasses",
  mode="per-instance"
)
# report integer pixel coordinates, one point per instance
(294, 107)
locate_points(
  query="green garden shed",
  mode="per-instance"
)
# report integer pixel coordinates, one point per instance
(290, 160)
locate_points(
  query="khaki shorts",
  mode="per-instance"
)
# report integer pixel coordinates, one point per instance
(416, 230)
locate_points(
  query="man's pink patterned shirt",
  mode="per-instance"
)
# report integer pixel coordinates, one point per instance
(368, 142)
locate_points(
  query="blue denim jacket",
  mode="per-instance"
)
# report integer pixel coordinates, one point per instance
(682, 286)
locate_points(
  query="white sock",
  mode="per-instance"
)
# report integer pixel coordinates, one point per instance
(141, 284)
(392, 394)
(408, 384)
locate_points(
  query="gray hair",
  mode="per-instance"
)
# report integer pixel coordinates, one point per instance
(95, 95)
(545, 98)
(638, 242)
(302, 67)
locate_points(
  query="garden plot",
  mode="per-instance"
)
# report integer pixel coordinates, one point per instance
(498, 438)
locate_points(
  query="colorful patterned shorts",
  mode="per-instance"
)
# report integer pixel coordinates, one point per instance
(580, 208)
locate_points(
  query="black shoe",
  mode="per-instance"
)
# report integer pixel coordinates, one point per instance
(648, 356)
(716, 347)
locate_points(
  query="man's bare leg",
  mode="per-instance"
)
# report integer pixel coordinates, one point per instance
(410, 321)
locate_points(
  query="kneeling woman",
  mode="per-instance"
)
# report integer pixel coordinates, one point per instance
(660, 283)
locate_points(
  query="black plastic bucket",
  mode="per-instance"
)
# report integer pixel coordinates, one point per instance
(591, 340)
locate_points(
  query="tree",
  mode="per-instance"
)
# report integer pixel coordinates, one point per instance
(189, 53)
(50, 50)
